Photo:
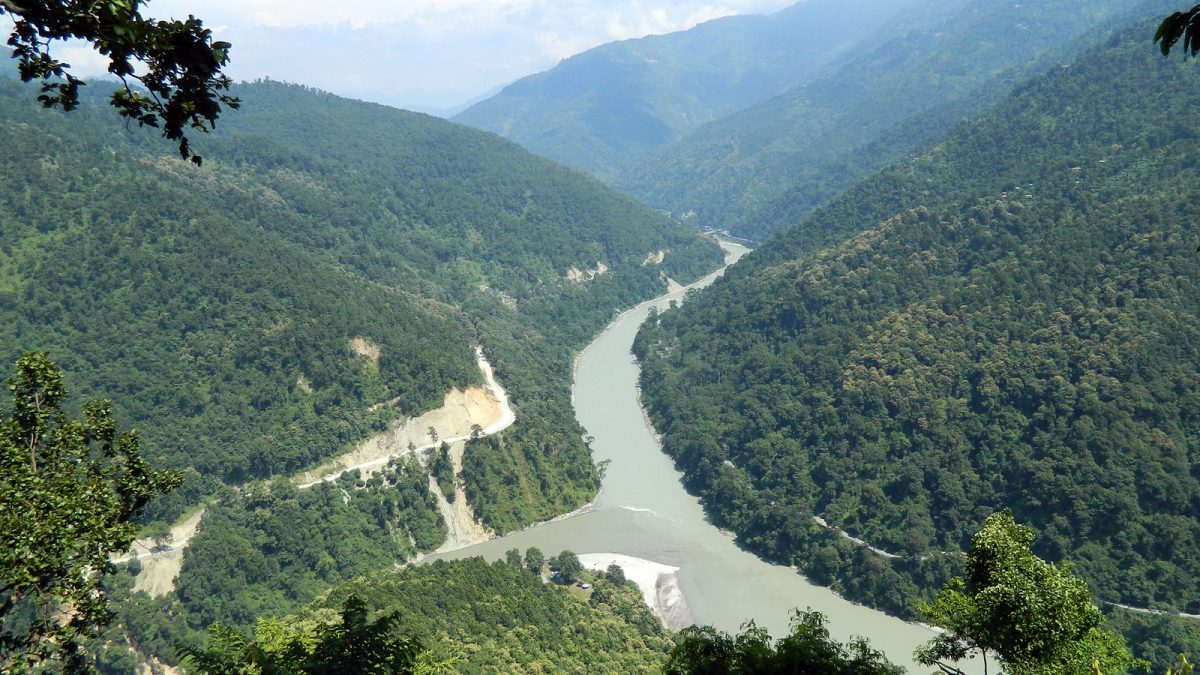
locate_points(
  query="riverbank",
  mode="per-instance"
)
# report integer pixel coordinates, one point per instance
(658, 582)
(644, 512)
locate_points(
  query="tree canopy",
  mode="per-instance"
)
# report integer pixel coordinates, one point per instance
(171, 69)
(1180, 26)
(355, 644)
(69, 493)
(807, 649)
(1035, 616)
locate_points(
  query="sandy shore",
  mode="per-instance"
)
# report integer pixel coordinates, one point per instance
(657, 581)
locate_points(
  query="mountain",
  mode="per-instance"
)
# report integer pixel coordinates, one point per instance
(1008, 320)
(761, 170)
(250, 317)
(608, 108)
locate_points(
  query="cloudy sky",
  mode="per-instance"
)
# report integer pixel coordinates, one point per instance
(427, 54)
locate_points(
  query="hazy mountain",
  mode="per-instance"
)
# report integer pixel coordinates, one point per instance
(608, 108)
(1007, 321)
(764, 168)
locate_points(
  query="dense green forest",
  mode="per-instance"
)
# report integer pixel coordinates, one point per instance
(216, 307)
(224, 310)
(489, 617)
(273, 547)
(609, 108)
(1010, 320)
(761, 170)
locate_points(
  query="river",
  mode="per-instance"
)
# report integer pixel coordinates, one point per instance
(643, 511)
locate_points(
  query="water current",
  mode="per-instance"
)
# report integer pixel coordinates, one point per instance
(643, 511)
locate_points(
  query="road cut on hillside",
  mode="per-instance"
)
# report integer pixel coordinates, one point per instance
(488, 407)
(460, 412)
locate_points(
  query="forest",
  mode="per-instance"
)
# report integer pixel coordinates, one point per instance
(217, 307)
(327, 272)
(1009, 321)
(998, 327)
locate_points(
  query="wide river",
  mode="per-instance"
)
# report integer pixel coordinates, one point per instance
(643, 511)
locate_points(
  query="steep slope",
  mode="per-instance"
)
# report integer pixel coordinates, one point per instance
(1010, 321)
(610, 107)
(331, 255)
(761, 170)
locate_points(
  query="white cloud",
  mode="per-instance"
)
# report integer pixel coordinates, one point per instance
(432, 53)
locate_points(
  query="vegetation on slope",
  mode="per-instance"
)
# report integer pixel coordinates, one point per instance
(760, 171)
(609, 108)
(227, 346)
(328, 270)
(500, 618)
(218, 306)
(1016, 328)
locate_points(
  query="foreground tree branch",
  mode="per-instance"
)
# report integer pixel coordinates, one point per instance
(68, 501)
(177, 63)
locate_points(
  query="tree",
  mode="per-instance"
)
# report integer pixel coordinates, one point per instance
(1180, 25)
(615, 574)
(513, 557)
(353, 645)
(807, 649)
(160, 534)
(534, 559)
(568, 566)
(70, 491)
(176, 63)
(1035, 617)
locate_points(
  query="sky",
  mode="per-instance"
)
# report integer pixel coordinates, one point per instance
(422, 54)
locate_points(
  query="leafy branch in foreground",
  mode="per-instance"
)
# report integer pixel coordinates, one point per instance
(1035, 617)
(70, 491)
(1180, 25)
(176, 63)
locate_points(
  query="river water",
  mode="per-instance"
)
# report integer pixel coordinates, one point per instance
(643, 511)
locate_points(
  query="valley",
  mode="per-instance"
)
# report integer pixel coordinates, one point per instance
(511, 397)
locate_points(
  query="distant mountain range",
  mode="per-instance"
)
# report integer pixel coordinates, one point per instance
(749, 123)
(609, 108)
(761, 170)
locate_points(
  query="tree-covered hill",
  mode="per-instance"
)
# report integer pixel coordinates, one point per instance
(1010, 320)
(609, 108)
(761, 170)
(502, 618)
(219, 307)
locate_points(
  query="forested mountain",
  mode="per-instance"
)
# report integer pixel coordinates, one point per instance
(1007, 320)
(217, 306)
(608, 108)
(329, 269)
(761, 170)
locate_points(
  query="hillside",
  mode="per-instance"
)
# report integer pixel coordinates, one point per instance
(490, 617)
(605, 110)
(761, 170)
(330, 256)
(1009, 320)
